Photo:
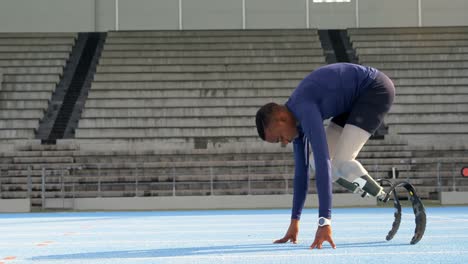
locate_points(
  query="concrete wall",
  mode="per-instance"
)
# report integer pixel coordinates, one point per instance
(148, 14)
(444, 13)
(215, 14)
(15, 206)
(100, 15)
(47, 15)
(201, 202)
(332, 15)
(105, 15)
(275, 14)
(453, 198)
(384, 13)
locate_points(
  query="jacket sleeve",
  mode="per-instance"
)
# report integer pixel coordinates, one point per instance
(312, 124)
(301, 178)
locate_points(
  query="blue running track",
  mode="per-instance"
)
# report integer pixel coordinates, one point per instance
(234, 236)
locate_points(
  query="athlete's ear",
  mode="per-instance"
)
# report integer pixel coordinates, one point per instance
(281, 116)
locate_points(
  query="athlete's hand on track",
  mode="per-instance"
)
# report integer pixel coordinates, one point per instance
(323, 234)
(291, 234)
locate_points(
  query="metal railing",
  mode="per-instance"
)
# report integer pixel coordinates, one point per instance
(141, 179)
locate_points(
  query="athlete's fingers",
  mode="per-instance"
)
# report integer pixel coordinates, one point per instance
(332, 243)
(293, 240)
(314, 244)
(282, 240)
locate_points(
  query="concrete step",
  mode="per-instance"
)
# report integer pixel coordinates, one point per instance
(45, 148)
(367, 155)
(235, 132)
(368, 158)
(190, 93)
(21, 176)
(21, 114)
(410, 43)
(16, 134)
(431, 90)
(28, 86)
(41, 35)
(434, 99)
(440, 137)
(35, 55)
(419, 65)
(450, 163)
(212, 53)
(32, 63)
(169, 112)
(201, 169)
(207, 68)
(258, 101)
(24, 104)
(36, 188)
(430, 81)
(433, 129)
(408, 30)
(25, 78)
(183, 102)
(208, 33)
(13, 48)
(201, 84)
(7, 95)
(32, 70)
(136, 122)
(212, 61)
(428, 58)
(411, 50)
(42, 160)
(429, 108)
(40, 153)
(192, 76)
(432, 73)
(211, 46)
(178, 143)
(20, 88)
(46, 41)
(211, 39)
(19, 123)
(49, 167)
(409, 37)
(461, 118)
(159, 182)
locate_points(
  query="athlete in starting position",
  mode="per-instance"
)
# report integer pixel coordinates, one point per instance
(357, 97)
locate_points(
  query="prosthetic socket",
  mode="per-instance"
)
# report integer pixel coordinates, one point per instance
(352, 175)
(344, 145)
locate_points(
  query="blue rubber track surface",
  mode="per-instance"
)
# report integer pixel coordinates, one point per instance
(231, 236)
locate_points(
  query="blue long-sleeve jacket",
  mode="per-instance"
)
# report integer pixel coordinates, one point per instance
(326, 92)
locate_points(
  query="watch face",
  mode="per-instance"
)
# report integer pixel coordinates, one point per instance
(321, 221)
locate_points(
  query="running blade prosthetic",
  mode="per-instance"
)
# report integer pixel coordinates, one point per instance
(418, 209)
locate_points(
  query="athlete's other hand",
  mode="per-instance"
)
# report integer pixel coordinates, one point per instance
(323, 234)
(291, 234)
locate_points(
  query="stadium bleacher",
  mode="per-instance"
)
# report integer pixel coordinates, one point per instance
(172, 112)
(429, 68)
(194, 89)
(32, 65)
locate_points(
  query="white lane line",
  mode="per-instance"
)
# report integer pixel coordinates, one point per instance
(309, 254)
(166, 242)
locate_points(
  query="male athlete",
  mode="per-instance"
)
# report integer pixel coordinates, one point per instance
(357, 98)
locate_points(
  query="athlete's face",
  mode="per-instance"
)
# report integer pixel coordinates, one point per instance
(282, 129)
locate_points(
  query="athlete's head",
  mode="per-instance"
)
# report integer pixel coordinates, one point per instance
(275, 123)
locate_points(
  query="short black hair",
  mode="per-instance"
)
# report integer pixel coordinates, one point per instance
(263, 118)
